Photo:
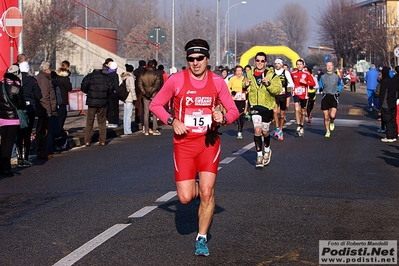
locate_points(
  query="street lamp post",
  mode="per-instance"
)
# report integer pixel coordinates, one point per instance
(226, 24)
(217, 34)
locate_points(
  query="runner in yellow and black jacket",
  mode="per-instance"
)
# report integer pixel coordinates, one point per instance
(262, 84)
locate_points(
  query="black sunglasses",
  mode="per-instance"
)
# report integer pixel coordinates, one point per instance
(262, 61)
(198, 58)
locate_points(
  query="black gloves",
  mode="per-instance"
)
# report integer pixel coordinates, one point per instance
(212, 135)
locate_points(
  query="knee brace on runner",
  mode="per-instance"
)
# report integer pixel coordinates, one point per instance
(265, 126)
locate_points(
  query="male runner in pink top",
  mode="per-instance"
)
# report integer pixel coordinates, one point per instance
(197, 94)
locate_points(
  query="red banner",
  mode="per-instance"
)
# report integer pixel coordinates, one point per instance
(5, 40)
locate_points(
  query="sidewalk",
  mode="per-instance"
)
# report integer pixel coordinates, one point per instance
(76, 122)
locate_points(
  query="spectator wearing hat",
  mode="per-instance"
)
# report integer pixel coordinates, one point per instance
(98, 86)
(32, 95)
(11, 99)
(113, 101)
(129, 79)
(46, 109)
(138, 114)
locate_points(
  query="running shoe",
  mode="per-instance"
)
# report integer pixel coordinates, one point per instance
(388, 140)
(266, 157)
(239, 135)
(150, 131)
(259, 161)
(201, 248)
(280, 136)
(380, 130)
(276, 132)
(332, 126)
(298, 129)
(328, 134)
(310, 119)
(301, 132)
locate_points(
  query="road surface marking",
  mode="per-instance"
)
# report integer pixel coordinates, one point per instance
(245, 149)
(145, 210)
(227, 160)
(167, 196)
(90, 245)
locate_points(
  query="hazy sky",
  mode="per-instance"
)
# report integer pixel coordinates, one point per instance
(255, 11)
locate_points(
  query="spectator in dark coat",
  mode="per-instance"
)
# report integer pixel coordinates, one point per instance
(389, 93)
(11, 99)
(65, 85)
(149, 84)
(98, 86)
(32, 95)
(138, 114)
(46, 111)
(113, 100)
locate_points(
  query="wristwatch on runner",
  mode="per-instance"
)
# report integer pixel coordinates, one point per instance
(170, 120)
(224, 122)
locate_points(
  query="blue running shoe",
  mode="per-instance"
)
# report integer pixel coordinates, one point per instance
(276, 132)
(201, 248)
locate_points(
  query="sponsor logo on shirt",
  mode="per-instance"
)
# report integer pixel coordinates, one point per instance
(203, 101)
(189, 101)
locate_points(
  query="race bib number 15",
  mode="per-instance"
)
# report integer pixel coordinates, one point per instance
(198, 119)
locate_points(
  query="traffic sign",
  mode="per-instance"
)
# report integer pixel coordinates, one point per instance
(157, 35)
(12, 22)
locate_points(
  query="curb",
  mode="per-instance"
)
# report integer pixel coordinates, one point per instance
(77, 139)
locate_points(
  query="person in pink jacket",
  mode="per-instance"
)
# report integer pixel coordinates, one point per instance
(198, 95)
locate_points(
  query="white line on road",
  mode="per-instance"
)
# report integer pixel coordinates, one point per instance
(246, 148)
(227, 160)
(90, 245)
(167, 196)
(145, 210)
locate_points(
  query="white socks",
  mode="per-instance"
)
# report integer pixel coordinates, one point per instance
(199, 235)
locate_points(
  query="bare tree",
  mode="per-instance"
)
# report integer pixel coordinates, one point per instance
(124, 15)
(382, 37)
(194, 21)
(296, 25)
(44, 25)
(341, 26)
(266, 33)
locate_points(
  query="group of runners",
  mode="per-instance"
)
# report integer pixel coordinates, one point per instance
(199, 95)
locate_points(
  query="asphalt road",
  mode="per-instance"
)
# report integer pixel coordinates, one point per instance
(116, 205)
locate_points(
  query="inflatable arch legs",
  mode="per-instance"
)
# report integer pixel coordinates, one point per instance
(283, 50)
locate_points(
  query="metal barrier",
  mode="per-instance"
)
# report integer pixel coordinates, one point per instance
(77, 101)
(77, 98)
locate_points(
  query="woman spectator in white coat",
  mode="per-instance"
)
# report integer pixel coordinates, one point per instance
(129, 78)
